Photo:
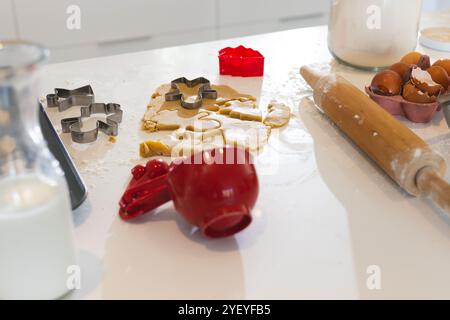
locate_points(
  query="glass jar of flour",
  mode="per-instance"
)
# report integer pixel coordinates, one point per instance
(372, 34)
(37, 248)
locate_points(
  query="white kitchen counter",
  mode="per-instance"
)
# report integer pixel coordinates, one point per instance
(325, 212)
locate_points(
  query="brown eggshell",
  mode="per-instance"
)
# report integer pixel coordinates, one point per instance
(411, 58)
(387, 82)
(424, 62)
(413, 94)
(439, 75)
(403, 70)
(423, 81)
(444, 63)
(417, 59)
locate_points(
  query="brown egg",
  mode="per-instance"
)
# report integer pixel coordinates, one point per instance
(403, 70)
(387, 82)
(423, 81)
(411, 58)
(439, 75)
(444, 63)
(413, 94)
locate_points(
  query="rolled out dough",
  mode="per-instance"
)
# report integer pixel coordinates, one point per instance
(231, 119)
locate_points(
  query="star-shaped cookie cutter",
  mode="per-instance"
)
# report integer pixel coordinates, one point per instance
(110, 127)
(204, 92)
(63, 99)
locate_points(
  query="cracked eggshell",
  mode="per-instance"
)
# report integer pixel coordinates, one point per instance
(423, 81)
(413, 94)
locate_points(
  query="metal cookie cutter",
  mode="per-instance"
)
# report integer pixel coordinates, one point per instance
(110, 127)
(444, 101)
(204, 92)
(64, 98)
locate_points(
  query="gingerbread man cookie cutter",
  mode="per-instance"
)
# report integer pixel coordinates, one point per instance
(204, 92)
(110, 127)
(63, 99)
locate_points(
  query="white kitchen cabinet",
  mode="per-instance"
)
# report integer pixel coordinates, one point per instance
(116, 26)
(119, 47)
(105, 21)
(232, 12)
(252, 28)
(7, 27)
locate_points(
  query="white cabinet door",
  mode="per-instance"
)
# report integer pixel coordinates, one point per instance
(233, 12)
(112, 48)
(254, 28)
(45, 21)
(7, 29)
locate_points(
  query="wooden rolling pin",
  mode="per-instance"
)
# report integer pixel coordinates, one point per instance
(405, 157)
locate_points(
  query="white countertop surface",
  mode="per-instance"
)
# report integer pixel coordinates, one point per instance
(325, 212)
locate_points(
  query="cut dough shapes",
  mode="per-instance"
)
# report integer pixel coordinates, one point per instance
(247, 110)
(170, 120)
(234, 132)
(158, 116)
(278, 116)
(183, 143)
(232, 119)
(220, 102)
(152, 148)
(249, 135)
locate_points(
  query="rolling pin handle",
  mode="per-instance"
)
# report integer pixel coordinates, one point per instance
(431, 183)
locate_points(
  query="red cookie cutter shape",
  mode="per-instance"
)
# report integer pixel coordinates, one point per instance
(241, 61)
(214, 190)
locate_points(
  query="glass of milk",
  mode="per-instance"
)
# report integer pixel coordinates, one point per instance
(373, 34)
(36, 234)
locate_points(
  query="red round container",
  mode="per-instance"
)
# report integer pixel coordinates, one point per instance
(214, 190)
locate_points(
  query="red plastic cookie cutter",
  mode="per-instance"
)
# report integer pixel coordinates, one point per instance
(241, 61)
(217, 196)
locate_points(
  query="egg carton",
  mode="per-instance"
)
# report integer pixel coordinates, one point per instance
(397, 105)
